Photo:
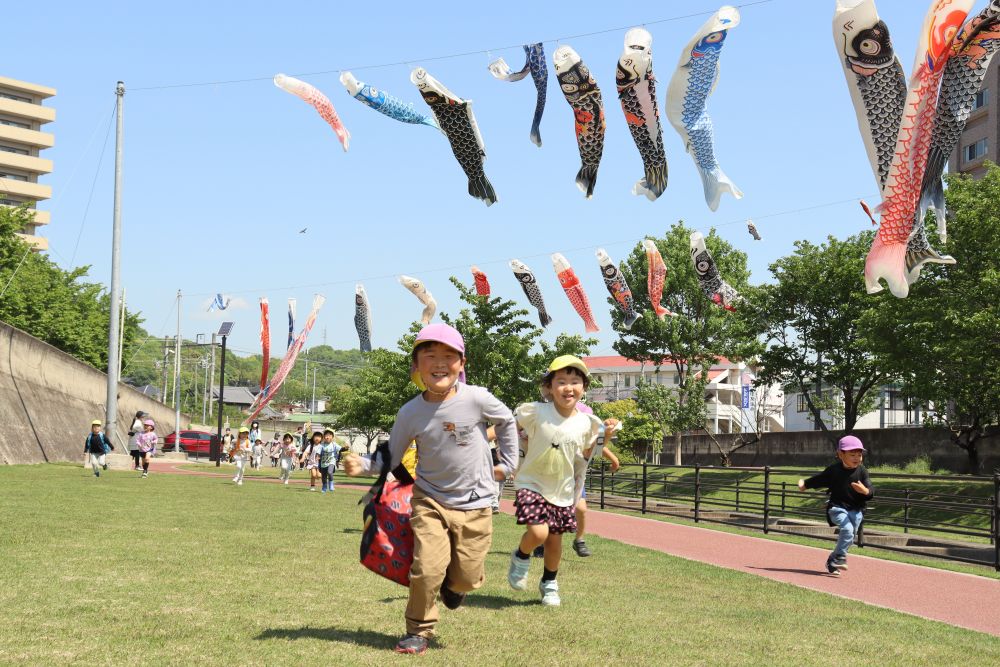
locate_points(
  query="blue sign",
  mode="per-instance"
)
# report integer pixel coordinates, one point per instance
(746, 396)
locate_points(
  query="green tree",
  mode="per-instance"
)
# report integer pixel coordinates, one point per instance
(639, 431)
(943, 340)
(810, 318)
(51, 304)
(691, 342)
(370, 404)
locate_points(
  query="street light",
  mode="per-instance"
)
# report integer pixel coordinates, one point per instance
(215, 453)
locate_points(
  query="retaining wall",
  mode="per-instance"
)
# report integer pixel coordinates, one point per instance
(48, 399)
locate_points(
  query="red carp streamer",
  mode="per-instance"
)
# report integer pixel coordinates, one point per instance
(265, 342)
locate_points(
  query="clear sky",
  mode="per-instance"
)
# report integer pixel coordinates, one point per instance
(220, 178)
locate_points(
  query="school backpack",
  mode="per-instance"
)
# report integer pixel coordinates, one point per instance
(387, 538)
(105, 445)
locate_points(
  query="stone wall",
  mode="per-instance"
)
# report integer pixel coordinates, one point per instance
(48, 399)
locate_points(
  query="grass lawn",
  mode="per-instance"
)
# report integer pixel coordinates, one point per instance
(184, 569)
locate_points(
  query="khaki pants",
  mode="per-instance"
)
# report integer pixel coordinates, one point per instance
(450, 546)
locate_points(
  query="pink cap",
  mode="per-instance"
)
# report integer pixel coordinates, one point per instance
(148, 422)
(437, 333)
(849, 443)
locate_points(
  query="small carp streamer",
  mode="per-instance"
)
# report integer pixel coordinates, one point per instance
(900, 197)
(265, 342)
(656, 276)
(574, 291)
(584, 97)
(418, 290)
(291, 321)
(531, 290)
(712, 284)
(482, 284)
(752, 230)
(220, 302)
(384, 103)
(534, 62)
(637, 93)
(454, 117)
(618, 288)
(687, 95)
(362, 318)
(311, 95)
(264, 397)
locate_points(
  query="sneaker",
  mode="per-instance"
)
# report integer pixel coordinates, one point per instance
(539, 551)
(517, 574)
(831, 569)
(105, 466)
(97, 473)
(145, 474)
(550, 592)
(840, 563)
(580, 547)
(496, 509)
(286, 481)
(312, 488)
(239, 483)
(450, 598)
(412, 644)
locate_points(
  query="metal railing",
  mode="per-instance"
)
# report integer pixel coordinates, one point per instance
(944, 516)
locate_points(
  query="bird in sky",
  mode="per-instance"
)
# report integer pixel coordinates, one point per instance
(303, 230)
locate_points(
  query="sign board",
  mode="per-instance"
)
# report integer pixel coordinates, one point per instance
(746, 396)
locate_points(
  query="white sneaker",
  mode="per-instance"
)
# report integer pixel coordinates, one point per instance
(517, 574)
(286, 481)
(550, 592)
(239, 483)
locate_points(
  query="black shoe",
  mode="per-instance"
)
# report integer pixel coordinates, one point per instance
(539, 551)
(831, 569)
(840, 563)
(412, 644)
(580, 547)
(451, 599)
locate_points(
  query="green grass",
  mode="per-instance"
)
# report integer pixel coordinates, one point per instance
(185, 569)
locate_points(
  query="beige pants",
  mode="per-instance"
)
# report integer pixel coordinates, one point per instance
(450, 547)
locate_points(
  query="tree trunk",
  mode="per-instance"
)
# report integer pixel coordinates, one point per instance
(677, 449)
(972, 450)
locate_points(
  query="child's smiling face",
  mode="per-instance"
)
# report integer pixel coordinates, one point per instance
(566, 389)
(852, 458)
(439, 367)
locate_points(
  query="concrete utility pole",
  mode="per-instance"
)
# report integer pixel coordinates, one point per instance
(212, 375)
(177, 380)
(121, 335)
(111, 402)
(312, 406)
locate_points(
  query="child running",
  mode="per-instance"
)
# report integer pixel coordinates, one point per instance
(97, 446)
(850, 488)
(258, 453)
(328, 457)
(147, 444)
(452, 521)
(287, 457)
(560, 438)
(310, 454)
(240, 453)
(274, 449)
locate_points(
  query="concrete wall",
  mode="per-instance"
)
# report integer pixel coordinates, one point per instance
(48, 399)
(810, 449)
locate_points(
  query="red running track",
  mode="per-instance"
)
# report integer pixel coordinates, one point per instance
(963, 600)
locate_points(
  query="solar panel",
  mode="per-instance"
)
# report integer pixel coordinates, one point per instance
(226, 328)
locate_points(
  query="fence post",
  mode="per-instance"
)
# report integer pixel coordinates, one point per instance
(996, 521)
(643, 486)
(602, 483)
(906, 510)
(697, 491)
(783, 498)
(767, 496)
(737, 494)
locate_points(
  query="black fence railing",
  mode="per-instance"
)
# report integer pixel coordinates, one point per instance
(945, 516)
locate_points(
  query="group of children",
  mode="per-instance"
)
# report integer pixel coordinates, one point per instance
(142, 444)
(320, 455)
(456, 480)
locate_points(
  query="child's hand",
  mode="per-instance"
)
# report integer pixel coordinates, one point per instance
(352, 465)
(611, 425)
(802, 485)
(499, 474)
(860, 488)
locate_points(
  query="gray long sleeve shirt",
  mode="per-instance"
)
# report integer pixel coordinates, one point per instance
(454, 465)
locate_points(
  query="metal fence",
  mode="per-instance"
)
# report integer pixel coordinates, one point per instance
(944, 516)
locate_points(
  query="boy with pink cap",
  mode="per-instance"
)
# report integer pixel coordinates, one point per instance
(452, 520)
(850, 488)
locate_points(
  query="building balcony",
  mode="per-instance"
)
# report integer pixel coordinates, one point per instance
(25, 189)
(35, 165)
(37, 243)
(41, 217)
(29, 137)
(26, 110)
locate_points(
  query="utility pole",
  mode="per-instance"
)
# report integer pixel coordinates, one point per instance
(111, 402)
(121, 335)
(163, 396)
(203, 362)
(177, 378)
(312, 406)
(216, 446)
(212, 374)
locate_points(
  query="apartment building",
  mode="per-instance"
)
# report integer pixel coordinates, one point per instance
(980, 140)
(892, 410)
(22, 116)
(724, 394)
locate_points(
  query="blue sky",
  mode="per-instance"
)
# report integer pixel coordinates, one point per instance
(220, 178)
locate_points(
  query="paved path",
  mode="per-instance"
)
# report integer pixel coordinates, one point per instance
(959, 599)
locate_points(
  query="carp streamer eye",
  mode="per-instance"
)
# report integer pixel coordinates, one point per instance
(715, 38)
(870, 47)
(703, 266)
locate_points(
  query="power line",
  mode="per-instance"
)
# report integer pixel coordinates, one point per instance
(463, 54)
(93, 186)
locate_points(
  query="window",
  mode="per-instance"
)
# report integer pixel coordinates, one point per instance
(981, 99)
(628, 380)
(15, 177)
(10, 202)
(801, 405)
(16, 98)
(14, 123)
(11, 149)
(896, 401)
(975, 151)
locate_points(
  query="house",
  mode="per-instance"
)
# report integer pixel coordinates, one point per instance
(892, 411)
(724, 393)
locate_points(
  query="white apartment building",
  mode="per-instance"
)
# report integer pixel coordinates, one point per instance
(892, 411)
(723, 396)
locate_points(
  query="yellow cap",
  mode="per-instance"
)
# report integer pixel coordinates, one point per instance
(568, 361)
(244, 429)
(97, 422)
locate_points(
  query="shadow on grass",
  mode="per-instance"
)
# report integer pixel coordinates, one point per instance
(394, 599)
(363, 637)
(496, 601)
(351, 530)
(815, 573)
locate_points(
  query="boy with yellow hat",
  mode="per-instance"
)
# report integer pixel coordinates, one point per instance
(97, 446)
